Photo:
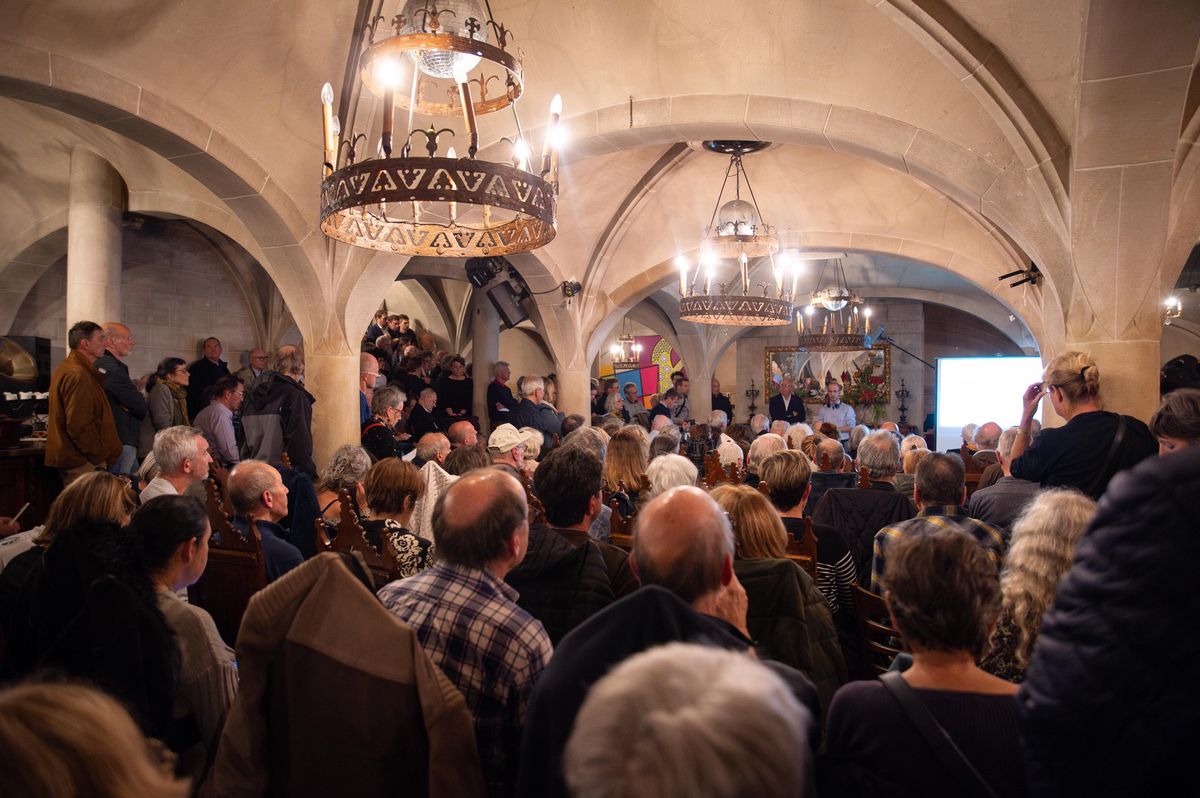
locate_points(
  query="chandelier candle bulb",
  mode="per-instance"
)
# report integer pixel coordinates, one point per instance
(464, 96)
(681, 262)
(452, 155)
(412, 107)
(867, 320)
(744, 266)
(389, 107)
(551, 123)
(327, 127)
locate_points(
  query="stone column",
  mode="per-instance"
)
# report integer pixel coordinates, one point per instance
(97, 198)
(333, 379)
(574, 390)
(485, 351)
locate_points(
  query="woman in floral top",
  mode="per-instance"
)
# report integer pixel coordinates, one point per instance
(1041, 551)
(393, 487)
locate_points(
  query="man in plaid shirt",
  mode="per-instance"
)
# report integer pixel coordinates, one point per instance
(940, 492)
(468, 620)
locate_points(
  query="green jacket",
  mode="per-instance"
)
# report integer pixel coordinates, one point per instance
(790, 622)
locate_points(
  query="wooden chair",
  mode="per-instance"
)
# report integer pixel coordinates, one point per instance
(804, 550)
(286, 459)
(864, 478)
(352, 537)
(537, 511)
(877, 637)
(972, 472)
(825, 465)
(236, 569)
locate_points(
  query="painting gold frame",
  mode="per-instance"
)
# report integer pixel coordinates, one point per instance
(791, 361)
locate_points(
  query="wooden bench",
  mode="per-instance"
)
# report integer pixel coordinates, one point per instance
(236, 569)
(877, 636)
(352, 537)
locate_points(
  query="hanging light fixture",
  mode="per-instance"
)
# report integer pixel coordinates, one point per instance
(735, 231)
(440, 60)
(1172, 309)
(834, 320)
(626, 352)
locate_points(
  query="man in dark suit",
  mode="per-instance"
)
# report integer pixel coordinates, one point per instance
(666, 405)
(127, 402)
(786, 406)
(204, 372)
(721, 401)
(500, 399)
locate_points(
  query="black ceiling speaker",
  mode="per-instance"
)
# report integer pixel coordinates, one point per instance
(481, 271)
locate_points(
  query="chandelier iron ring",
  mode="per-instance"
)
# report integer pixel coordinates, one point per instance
(349, 194)
(746, 311)
(412, 43)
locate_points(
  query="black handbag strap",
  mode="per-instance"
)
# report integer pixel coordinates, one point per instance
(943, 747)
(1118, 438)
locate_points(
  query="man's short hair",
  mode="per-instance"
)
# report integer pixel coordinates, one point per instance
(693, 572)
(779, 427)
(718, 419)
(661, 422)
(572, 423)
(968, 432)
(669, 470)
(665, 442)
(248, 481)
(386, 397)
(879, 454)
(758, 423)
(763, 447)
(288, 361)
(474, 541)
(226, 383)
(431, 445)
(939, 478)
(565, 480)
(593, 439)
(402, 317)
(173, 445)
(380, 314)
(786, 476)
(671, 393)
(988, 435)
(684, 719)
(833, 448)
(500, 364)
(531, 384)
(1008, 439)
(81, 330)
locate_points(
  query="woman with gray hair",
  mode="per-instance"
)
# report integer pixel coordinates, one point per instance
(379, 432)
(1041, 552)
(669, 471)
(346, 470)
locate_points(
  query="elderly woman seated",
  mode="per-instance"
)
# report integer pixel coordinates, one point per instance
(669, 471)
(906, 481)
(379, 432)
(346, 470)
(943, 594)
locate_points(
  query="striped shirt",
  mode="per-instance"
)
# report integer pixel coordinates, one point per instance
(469, 623)
(929, 520)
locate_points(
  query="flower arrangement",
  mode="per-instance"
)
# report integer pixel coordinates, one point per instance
(864, 390)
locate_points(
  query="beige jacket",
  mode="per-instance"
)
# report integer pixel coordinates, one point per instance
(337, 698)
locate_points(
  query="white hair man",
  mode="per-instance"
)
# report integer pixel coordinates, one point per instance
(727, 448)
(735, 730)
(183, 459)
(779, 428)
(500, 399)
(879, 454)
(759, 424)
(531, 412)
(1000, 503)
(670, 471)
(968, 440)
(660, 423)
(763, 447)
(260, 498)
(256, 364)
(432, 447)
(128, 404)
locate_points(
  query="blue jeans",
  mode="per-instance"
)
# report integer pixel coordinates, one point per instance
(127, 463)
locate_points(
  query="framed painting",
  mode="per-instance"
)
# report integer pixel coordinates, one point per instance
(865, 374)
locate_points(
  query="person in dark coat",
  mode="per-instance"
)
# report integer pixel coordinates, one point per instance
(785, 405)
(379, 431)
(500, 399)
(531, 412)
(666, 405)
(566, 577)
(204, 373)
(1110, 692)
(422, 419)
(720, 401)
(277, 415)
(127, 402)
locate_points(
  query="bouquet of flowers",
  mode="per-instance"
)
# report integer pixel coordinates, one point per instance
(865, 390)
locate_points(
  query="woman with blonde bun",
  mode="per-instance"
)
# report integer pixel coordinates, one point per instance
(1092, 446)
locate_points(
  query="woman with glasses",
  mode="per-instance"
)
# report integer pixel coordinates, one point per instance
(167, 401)
(1092, 446)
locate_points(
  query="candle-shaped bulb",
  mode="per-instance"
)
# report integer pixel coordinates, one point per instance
(556, 104)
(682, 264)
(451, 154)
(521, 154)
(327, 94)
(336, 125)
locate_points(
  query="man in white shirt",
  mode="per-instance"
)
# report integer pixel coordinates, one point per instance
(216, 420)
(835, 412)
(183, 459)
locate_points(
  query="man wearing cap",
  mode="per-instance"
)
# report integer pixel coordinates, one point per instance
(507, 445)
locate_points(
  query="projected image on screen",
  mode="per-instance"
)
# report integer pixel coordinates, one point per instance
(975, 390)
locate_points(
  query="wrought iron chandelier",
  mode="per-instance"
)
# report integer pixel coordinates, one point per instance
(833, 321)
(626, 352)
(440, 60)
(736, 230)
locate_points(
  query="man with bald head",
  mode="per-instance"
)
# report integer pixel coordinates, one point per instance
(127, 402)
(683, 554)
(260, 498)
(432, 447)
(467, 618)
(462, 435)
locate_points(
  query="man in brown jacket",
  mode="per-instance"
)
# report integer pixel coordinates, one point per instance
(82, 435)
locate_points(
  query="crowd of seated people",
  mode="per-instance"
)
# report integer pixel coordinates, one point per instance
(575, 604)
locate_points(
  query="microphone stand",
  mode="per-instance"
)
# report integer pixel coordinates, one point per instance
(887, 339)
